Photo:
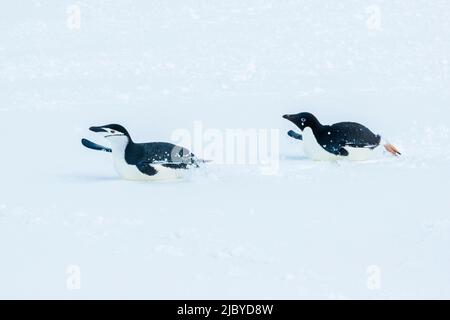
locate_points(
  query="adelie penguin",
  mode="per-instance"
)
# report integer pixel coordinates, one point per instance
(143, 161)
(348, 140)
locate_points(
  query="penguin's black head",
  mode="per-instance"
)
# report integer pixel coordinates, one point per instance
(303, 120)
(111, 130)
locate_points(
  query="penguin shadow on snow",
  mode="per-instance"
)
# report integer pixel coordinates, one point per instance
(292, 157)
(306, 162)
(83, 177)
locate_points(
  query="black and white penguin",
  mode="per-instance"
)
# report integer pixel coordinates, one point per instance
(143, 161)
(347, 140)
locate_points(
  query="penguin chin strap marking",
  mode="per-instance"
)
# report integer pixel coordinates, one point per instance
(115, 135)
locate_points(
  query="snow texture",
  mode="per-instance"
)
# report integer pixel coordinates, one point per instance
(70, 228)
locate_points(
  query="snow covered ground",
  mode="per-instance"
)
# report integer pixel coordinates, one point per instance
(69, 228)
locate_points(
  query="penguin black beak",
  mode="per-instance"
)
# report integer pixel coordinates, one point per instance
(97, 129)
(287, 116)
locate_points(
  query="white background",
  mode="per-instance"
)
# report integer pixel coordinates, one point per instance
(310, 231)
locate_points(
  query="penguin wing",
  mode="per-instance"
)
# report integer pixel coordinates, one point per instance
(335, 147)
(91, 145)
(295, 135)
(146, 168)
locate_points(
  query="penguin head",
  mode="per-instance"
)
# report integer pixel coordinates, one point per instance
(303, 120)
(112, 131)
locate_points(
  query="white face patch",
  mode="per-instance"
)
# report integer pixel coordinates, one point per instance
(118, 141)
(118, 144)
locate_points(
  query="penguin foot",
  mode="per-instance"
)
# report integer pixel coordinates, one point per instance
(391, 149)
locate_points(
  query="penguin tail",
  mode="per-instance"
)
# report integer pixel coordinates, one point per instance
(392, 149)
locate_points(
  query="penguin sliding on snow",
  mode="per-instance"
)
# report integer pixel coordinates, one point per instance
(347, 140)
(143, 161)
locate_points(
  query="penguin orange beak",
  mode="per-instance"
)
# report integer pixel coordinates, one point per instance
(97, 129)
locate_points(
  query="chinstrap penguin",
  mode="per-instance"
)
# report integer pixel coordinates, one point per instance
(347, 140)
(143, 161)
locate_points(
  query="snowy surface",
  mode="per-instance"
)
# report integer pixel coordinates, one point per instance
(312, 230)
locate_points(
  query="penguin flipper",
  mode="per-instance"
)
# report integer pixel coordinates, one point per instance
(343, 152)
(146, 168)
(295, 135)
(91, 145)
(338, 149)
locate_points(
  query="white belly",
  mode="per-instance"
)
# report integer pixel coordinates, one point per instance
(359, 154)
(130, 172)
(315, 151)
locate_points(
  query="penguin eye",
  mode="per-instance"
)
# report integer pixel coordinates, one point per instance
(113, 131)
(303, 119)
